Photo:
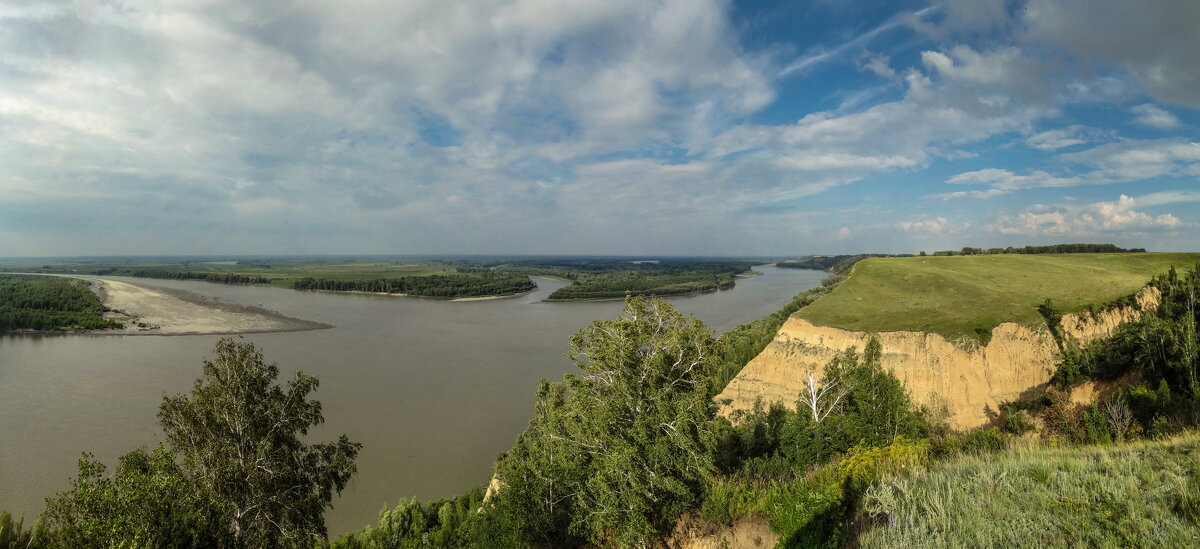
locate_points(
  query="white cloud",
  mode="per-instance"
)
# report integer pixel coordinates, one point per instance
(1152, 116)
(930, 226)
(877, 63)
(1051, 140)
(1095, 218)
(1120, 162)
(956, 103)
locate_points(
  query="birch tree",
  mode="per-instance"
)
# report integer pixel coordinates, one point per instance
(237, 435)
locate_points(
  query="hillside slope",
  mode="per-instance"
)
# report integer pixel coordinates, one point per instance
(927, 335)
(961, 297)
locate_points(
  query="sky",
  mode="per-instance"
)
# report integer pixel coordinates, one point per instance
(692, 127)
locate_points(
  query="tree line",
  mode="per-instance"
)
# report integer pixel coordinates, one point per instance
(1052, 249)
(447, 286)
(837, 264)
(50, 303)
(222, 278)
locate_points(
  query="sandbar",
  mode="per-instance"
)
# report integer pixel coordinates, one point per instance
(147, 310)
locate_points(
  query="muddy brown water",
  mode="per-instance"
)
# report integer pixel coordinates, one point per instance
(433, 389)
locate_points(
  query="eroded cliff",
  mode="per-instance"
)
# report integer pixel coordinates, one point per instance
(970, 382)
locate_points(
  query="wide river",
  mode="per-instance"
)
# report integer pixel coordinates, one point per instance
(433, 389)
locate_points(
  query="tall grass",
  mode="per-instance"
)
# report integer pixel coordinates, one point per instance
(13, 534)
(1131, 495)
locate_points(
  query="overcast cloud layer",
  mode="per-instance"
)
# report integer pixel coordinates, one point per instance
(691, 127)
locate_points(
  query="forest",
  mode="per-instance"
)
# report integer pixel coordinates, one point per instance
(222, 278)
(445, 286)
(607, 278)
(50, 303)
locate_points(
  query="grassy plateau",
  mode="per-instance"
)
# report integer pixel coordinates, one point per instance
(959, 296)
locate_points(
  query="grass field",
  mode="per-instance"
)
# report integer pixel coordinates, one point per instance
(1144, 494)
(957, 296)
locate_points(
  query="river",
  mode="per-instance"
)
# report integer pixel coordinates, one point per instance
(433, 389)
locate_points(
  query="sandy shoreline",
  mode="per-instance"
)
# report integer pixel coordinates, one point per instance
(147, 310)
(162, 311)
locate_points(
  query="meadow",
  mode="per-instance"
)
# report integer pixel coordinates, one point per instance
(964, 297)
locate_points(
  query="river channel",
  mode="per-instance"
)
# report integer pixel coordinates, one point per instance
(433, 389)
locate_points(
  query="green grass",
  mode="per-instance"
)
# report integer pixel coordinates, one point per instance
(959, 296)
(1131, 495)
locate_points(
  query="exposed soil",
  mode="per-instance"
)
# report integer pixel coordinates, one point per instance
(971, 383)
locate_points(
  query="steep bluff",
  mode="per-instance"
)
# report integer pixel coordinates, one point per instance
(970, 382)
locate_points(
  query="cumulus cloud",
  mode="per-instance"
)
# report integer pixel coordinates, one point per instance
(1096, 218)
(1152, 116)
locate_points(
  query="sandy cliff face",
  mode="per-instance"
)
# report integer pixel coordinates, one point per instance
(971, 383)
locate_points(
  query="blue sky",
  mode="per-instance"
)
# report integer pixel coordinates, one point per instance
(694, 127)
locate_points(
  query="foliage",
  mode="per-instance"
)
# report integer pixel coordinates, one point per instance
(457, 285)
(147, 503)
(616, 452)
(438, 524)
(874, 411)
(1132, 495)
(238, 438)
(50, 303)
(235, 475)
(955, 296)
(811, 507)
(13, 534)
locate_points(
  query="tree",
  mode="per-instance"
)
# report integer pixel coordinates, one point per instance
(147, 503)
(821, 398)
(622, 448)
(237, 436)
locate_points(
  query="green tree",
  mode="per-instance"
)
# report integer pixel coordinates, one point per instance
(237, 436)
(872, 409)
(146, 503)
(620, 449)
